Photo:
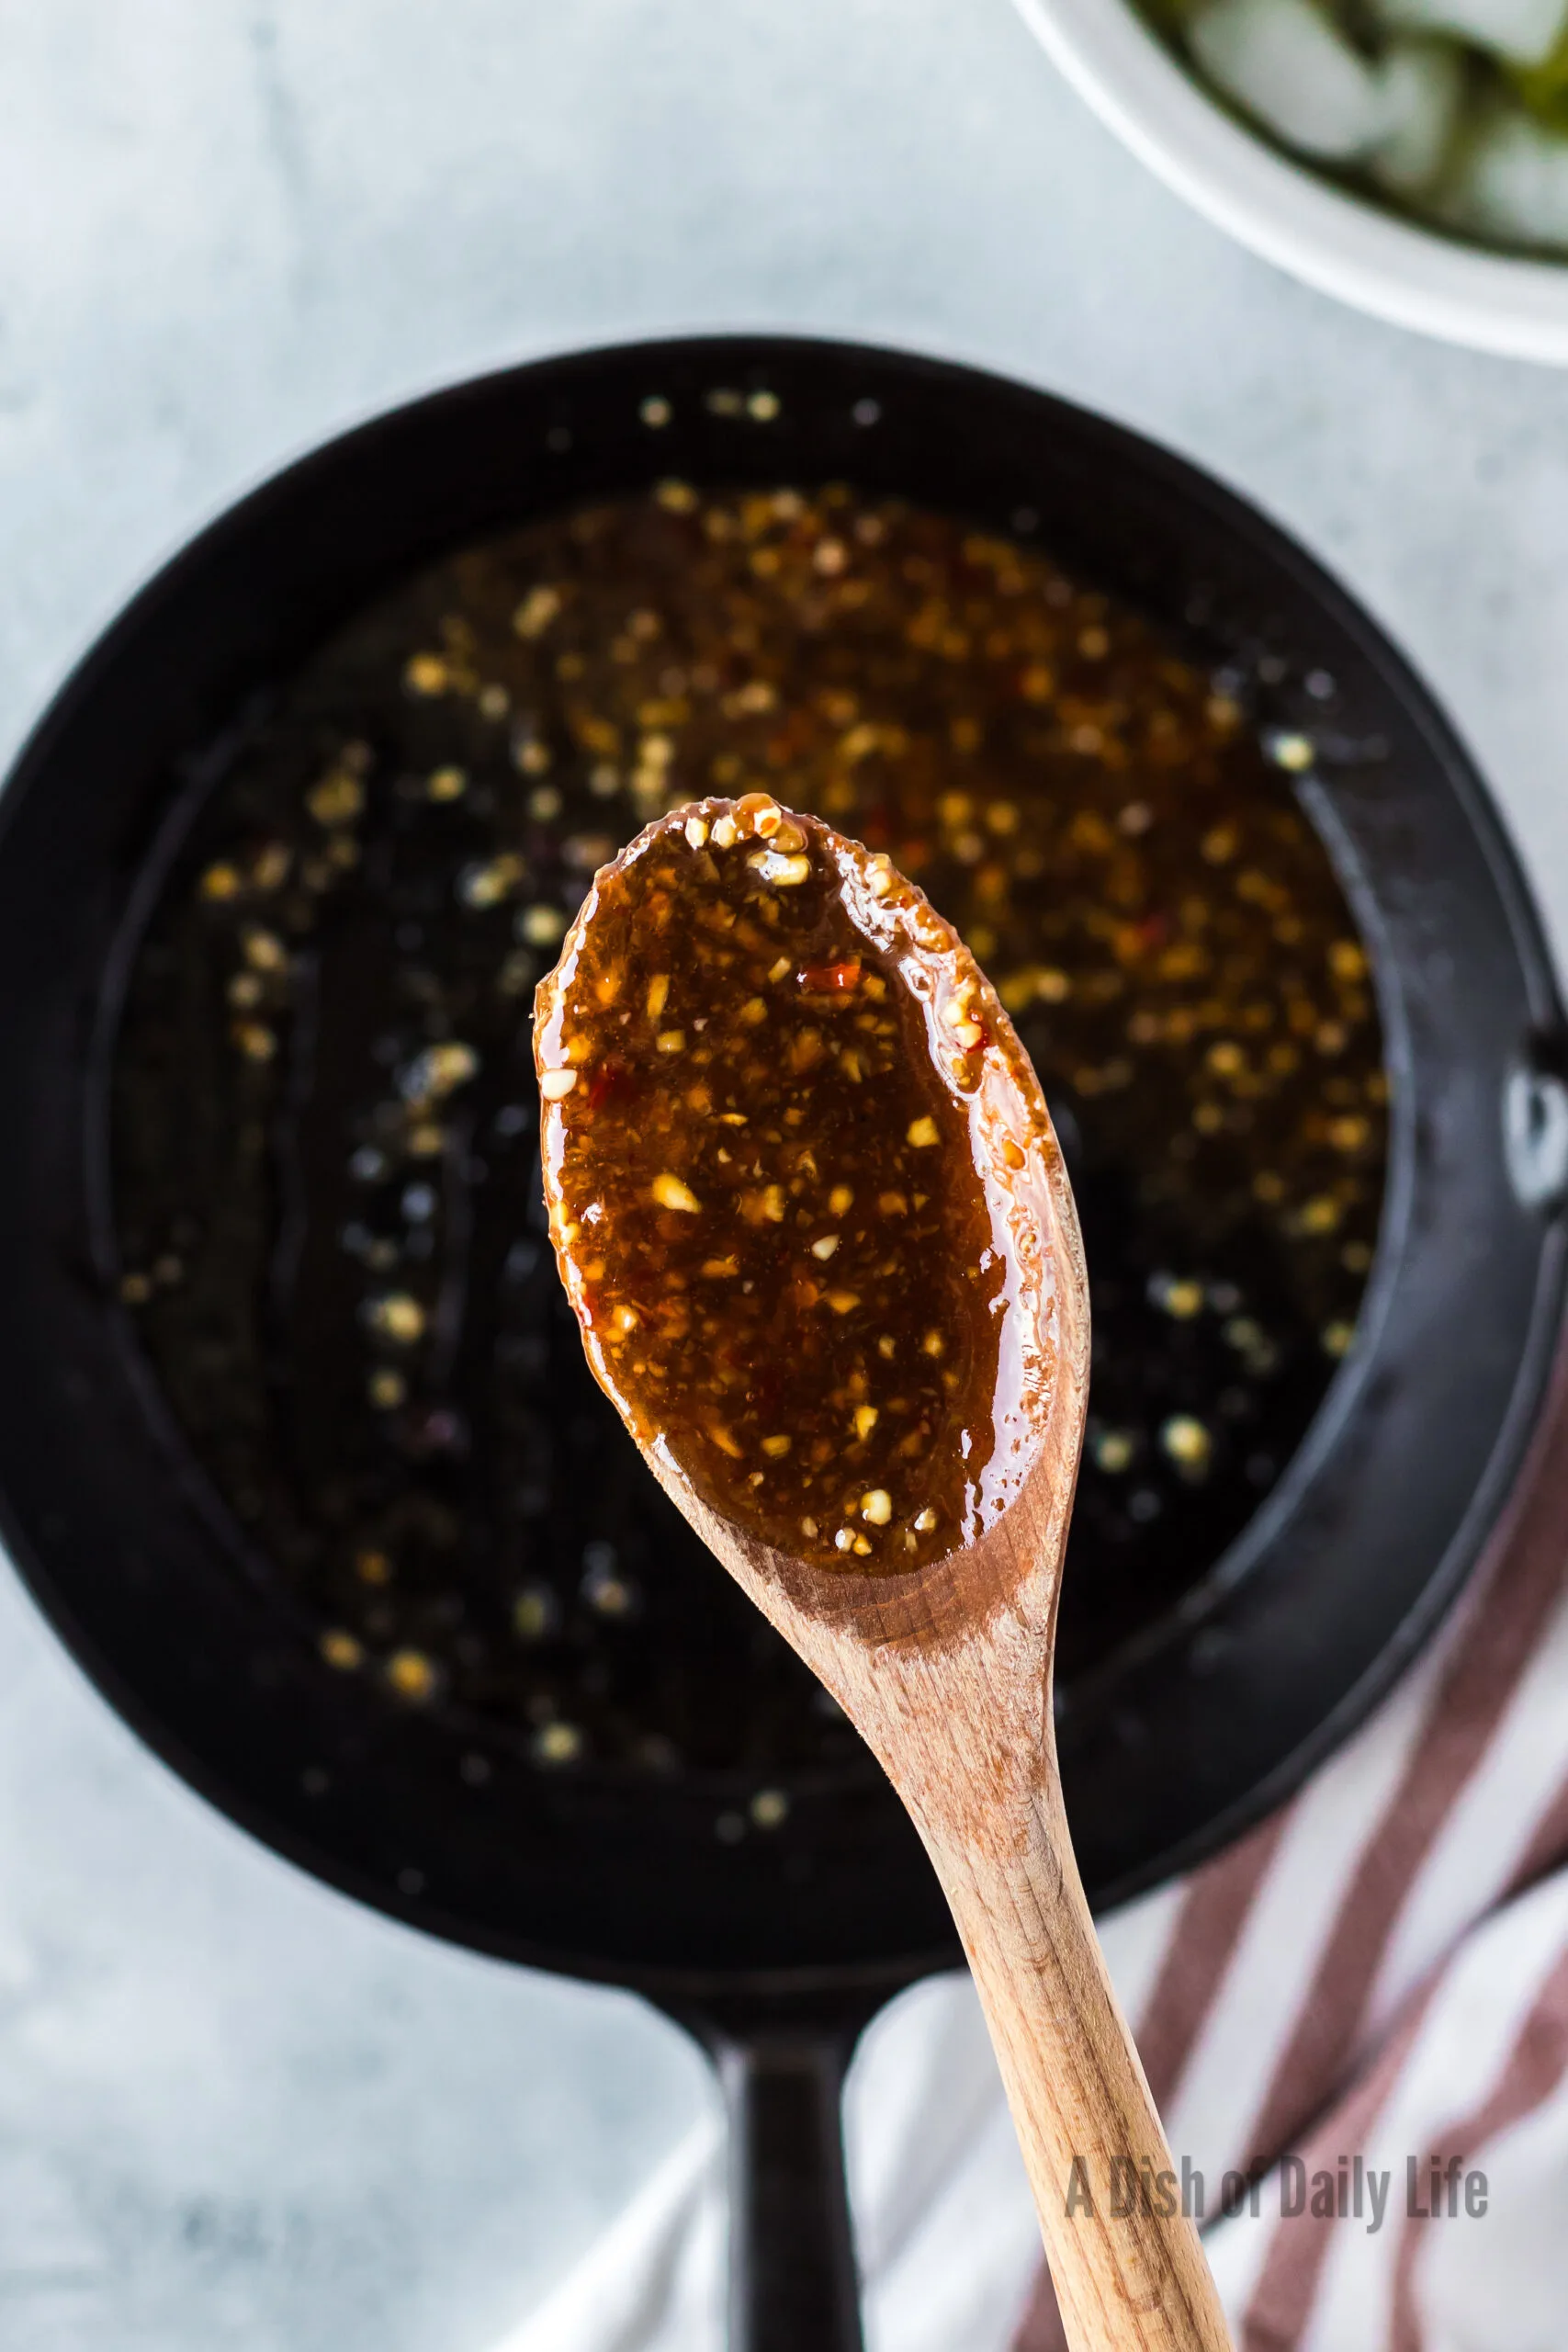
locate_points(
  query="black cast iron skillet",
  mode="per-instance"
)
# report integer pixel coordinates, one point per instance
(776, 1957)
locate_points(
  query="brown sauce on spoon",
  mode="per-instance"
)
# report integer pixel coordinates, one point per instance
(787, 1136)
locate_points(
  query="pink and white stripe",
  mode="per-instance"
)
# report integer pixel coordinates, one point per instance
(1382, 1971)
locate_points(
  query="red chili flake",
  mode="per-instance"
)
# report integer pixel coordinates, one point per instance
(1135, 939)
(612, 1081)
(830, 979)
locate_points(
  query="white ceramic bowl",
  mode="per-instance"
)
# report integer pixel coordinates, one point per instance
(1284, 210)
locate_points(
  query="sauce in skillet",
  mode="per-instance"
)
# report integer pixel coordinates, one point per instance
(325, 1150)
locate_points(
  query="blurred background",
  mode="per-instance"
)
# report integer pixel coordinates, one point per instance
(235, 2110)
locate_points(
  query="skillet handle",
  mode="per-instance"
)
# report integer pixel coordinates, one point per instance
(792, 2269)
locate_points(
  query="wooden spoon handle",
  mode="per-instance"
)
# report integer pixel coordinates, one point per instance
(1127, 2273)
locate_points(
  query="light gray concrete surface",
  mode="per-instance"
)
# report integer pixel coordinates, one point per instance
(235, 2112)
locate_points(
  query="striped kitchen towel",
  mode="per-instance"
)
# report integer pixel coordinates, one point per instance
(1359, 2013)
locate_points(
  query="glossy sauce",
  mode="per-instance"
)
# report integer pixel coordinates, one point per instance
(325, 1148)
(790, 1148)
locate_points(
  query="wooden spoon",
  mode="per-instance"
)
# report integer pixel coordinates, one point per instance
(945, 1668)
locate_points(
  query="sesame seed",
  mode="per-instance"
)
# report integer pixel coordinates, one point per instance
(1292, 752)
(541, 926)
(670, 1193)
(533, 1613)
(337, 799)
(789, 873)
(439, 1070)
(537, 611)
(255, 1040)
(1186, 1440)
(489, 884)
(411, 1674)
(396, 1317)
(607, 1593)
(1181, 1298)
(264, 951)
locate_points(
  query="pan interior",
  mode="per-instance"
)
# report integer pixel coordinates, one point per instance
(328, 1225)
(434, 1811)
